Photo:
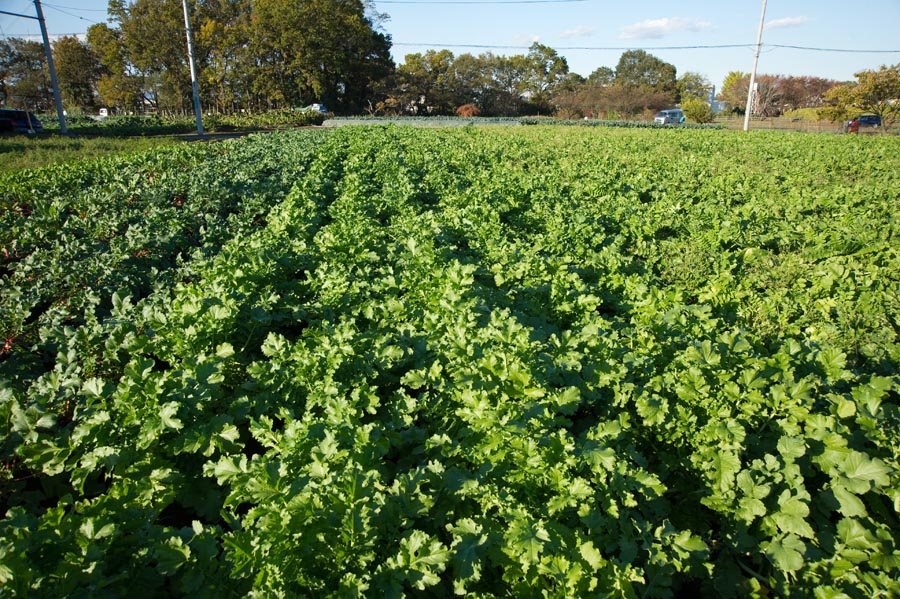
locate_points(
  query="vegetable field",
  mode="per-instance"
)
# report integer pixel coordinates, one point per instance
(505, 362)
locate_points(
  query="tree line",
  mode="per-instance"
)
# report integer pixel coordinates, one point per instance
(256, 55)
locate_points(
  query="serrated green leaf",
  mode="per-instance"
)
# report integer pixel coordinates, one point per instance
(525, 542)
(421, 559)
(791, 516)
(228, 467)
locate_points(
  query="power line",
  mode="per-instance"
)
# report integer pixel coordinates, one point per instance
(76, 8)
(72, 14)
(846, 50)
(28, 35)
(513, 47)
(585, 48)
(648, 48)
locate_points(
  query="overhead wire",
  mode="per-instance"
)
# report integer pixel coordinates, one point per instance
(52, 7)
(76, 8)
(648, 48)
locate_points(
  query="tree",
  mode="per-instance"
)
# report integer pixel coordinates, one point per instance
(734, 91)
(693, 85)
(152, 33)
(602, 77)
(117, 87)
(427, 82)
(767, 98)
(223, 36)
(25, 76)
(637, 68)
(328, 50)
(697, 110)
(629, 100)
(471, 80)
(78, 70)
(839, 103)
(878, 92)
(546, 71)
(508, 76)
(804, 92)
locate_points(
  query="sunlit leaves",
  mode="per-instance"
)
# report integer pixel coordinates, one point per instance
(476, 362)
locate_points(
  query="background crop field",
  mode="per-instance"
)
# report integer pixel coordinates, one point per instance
(505, 362)
(20, 152)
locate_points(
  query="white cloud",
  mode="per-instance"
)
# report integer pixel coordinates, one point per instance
(657, 28)
(524, 39)
(786, 22)
(581, 31)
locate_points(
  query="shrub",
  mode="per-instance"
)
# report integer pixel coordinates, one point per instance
(467, 110)
(697, 111)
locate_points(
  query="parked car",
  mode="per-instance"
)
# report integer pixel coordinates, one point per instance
(19, 121)
(869, 121)
(317, 107)
(864, 123)
(669, 117)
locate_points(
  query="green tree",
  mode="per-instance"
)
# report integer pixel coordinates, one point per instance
(78, 70)
(546, 71)
(24, 73)
(155, 46)
(693, 85)
(328, 50)
(839, 103)
(509, 75)
(601, 77)
(118, 88)
(223, 36)
(471, 79)
(426, 82)
(878, 92)
(637, 68)
(697, 110)
(734, 91)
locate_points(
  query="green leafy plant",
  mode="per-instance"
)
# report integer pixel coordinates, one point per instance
(525, 361)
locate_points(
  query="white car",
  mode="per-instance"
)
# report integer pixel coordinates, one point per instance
(669, 117)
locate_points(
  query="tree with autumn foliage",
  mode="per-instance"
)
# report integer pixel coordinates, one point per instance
(875, 91)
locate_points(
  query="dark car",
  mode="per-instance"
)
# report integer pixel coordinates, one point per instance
(19, 121)
(869, 121)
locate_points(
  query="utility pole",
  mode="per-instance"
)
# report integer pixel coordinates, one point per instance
(751, 90)
(54, 82)
(190, 44)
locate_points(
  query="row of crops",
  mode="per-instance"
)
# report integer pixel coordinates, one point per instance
(504, 362)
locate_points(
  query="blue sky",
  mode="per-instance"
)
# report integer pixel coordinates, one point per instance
(594, 33)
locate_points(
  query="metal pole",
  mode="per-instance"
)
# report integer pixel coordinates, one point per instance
(53, 80)
(762, 19)
(190, 45)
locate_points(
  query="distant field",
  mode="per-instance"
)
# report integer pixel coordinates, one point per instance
(21, 151)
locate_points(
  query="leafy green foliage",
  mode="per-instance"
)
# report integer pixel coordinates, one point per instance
(520, 362)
